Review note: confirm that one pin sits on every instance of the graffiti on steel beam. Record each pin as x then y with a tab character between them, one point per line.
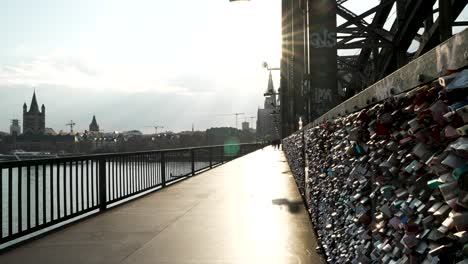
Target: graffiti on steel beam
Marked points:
324	39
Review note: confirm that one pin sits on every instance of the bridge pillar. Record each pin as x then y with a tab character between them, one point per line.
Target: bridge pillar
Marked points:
309	86
322	70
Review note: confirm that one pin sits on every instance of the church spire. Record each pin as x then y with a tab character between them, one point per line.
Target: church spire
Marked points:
270	95
34	107
94	127
271	88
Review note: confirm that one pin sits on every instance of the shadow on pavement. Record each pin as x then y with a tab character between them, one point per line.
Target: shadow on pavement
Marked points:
293	206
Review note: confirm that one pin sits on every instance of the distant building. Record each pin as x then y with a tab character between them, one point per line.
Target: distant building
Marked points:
41	143
94	127
268	117
245	126
50	132
132	133
15	128
33	120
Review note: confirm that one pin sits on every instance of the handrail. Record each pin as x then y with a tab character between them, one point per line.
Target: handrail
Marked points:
39	161
43	194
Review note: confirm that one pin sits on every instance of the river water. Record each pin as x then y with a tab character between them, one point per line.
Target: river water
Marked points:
81	192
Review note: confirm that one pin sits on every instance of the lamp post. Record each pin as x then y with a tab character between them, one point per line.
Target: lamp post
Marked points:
265	65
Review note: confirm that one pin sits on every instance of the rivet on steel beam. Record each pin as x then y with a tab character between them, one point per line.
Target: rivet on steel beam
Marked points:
421	78
392	91
368	101
374	99
346	111
466	55
355	107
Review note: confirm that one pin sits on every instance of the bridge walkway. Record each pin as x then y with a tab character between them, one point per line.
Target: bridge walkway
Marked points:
246	211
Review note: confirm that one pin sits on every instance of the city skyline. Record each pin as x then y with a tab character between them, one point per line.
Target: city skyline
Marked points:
126	54
84	122
170	66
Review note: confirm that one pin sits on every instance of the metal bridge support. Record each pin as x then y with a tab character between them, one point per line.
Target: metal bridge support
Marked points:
445	14
298	29
286	88
323	83
308	65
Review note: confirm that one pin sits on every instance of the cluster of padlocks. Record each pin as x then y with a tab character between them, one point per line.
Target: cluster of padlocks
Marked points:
389	184
293	147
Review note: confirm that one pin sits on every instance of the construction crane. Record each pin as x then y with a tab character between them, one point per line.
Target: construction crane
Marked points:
249	117
71	124
236	114
155	128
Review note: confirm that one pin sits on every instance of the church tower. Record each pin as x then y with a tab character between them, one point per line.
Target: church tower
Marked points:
268	118
270	99
94	127
33	120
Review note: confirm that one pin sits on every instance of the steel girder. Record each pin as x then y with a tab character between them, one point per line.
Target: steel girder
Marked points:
431	36
381	48
383	51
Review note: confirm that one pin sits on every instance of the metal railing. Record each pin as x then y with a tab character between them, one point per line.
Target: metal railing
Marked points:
37	195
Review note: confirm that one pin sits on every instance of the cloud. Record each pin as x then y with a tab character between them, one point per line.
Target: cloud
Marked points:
47	70
193	83
88	70
127	93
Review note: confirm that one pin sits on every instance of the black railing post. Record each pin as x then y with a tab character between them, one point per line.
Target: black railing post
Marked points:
211	157
163	170
222	154
1	205
192	158
10	202
102	184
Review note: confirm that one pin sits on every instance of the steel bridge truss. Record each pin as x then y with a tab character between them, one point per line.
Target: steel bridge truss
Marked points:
387	36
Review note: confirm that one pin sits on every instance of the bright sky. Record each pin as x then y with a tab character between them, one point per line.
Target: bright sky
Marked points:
141	62
172	63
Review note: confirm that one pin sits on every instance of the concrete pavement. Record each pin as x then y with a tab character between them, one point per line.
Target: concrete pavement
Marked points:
246	211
